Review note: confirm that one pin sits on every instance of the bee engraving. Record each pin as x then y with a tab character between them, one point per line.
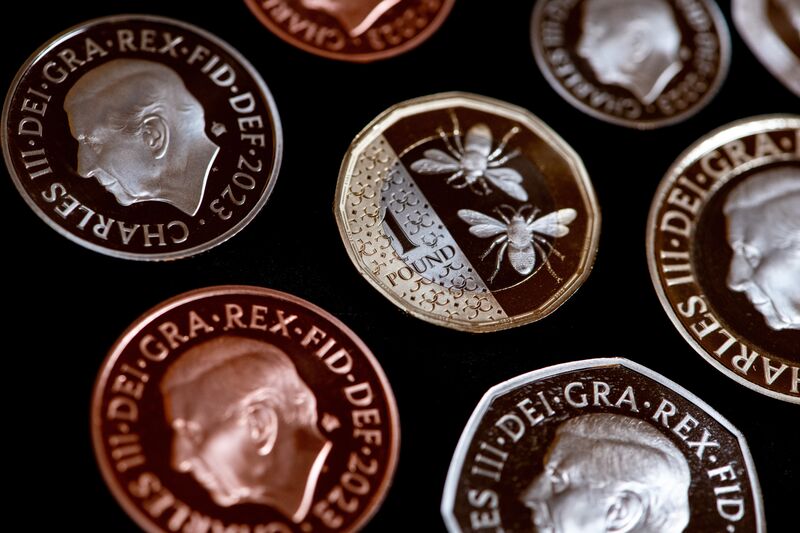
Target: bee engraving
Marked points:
519	235
472	163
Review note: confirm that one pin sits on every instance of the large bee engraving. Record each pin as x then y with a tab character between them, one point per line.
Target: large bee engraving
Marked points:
472	163
520	236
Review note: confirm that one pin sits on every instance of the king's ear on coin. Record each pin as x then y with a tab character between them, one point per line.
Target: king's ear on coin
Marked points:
355	16
141	134
245	424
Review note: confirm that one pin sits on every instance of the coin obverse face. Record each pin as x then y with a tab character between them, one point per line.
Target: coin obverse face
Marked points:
600	445
723	245
636	63
771	28
141	137
352	30
244	409
467	212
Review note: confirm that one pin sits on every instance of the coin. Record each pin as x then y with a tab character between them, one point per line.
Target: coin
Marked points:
244	409
467	212
141	137
637	63
600	445
723	246
771	28
352	30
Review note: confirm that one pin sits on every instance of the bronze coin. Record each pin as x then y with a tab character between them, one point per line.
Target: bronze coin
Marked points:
141	137
467	212
600	445
636	63
244	409
352	30
723	245
771	28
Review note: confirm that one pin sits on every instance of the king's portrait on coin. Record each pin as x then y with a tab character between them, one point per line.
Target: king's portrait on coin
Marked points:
609	472
141	134
763	229
245	424
355	16
634	44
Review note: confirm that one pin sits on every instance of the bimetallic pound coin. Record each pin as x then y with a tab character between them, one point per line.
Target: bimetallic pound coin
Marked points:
244	409
600	445
141	137
723	246
352	30
771	28
467	212
636	63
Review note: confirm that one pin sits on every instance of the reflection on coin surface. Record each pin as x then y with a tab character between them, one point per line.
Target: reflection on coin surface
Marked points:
467	212
637	63
723	245
244	409
771	28
352	30
141	137
600	445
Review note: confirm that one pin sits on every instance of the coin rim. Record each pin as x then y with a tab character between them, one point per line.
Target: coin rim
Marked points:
477	102
725	61
453	472
711	141
207	245
365	57
158	311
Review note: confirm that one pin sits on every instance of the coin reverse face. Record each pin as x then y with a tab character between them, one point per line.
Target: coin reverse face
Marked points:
141	137
600	445
244	409
636	63
467	212
352	30
771	28
723	245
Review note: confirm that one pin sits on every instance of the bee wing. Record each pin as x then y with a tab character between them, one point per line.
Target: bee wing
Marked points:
435	162
507	180
481	225
554	224
479	139
522	259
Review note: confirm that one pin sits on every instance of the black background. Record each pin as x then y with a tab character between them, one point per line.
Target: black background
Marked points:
68	305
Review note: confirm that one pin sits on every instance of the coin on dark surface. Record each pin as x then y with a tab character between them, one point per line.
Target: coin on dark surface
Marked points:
352	30
467	212
600	445
771	28
636	63
244	409
141	137
723	246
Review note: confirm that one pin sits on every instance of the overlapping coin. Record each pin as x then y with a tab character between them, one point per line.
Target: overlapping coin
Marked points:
244	409
352	30
771	28
141	137
723	245
600	445
636	63
467	212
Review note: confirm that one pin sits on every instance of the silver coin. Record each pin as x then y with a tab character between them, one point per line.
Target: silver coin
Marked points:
771	28
600	445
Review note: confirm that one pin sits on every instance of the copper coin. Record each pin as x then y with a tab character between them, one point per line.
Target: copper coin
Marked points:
636	63
467	212
352	30
141	137
723	246
771	28
244	409
600	445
